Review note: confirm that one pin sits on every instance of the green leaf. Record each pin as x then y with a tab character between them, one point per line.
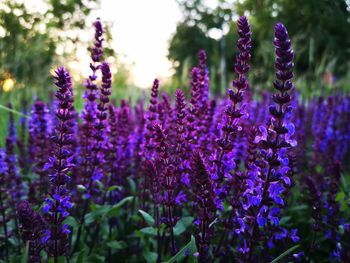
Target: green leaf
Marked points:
148	218
115	209
150	257
182	225
14	111
298	207
284	220
81	256
285	253
152	231
113	187
117	244
100	211
94	258
96	213
319	168
60	260
25	254
132	185
190	247
71	221
340	196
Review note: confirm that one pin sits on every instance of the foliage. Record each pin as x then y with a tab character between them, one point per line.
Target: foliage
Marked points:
43	30
309	23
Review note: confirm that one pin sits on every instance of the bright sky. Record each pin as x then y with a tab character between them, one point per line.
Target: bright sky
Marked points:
141	30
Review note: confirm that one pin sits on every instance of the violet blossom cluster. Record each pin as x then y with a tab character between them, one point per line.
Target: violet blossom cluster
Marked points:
89	114
40	131
133	182
57	205
268	178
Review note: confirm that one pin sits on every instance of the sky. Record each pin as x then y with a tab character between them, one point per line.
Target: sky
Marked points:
141	31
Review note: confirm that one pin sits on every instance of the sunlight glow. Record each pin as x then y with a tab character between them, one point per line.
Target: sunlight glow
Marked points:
141	31
8	85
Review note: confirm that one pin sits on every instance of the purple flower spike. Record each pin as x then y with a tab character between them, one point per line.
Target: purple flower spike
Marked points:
193	116
180	147
100	134
205	198
40	130
32	228
244	46
274	142
234	110
5	198
97	50
14	184
86	130
60	165
151	118
147	149
168	181
204	76
106	83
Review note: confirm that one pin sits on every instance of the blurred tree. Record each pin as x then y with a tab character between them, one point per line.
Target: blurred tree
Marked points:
202	28
185	45
320	31
29	39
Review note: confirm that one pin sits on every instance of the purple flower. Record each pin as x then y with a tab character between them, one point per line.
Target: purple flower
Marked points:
273	215
151	117
245	249
5	198
33	230
234	110
193	115
56	207
89	113
294	235
40	129
180	198
205	198
282	234
268	175
242	226
100	124
13	181
262	136
275	190
97	50
204	76
46	236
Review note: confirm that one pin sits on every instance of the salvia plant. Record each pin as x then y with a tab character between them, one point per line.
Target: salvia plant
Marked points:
244	178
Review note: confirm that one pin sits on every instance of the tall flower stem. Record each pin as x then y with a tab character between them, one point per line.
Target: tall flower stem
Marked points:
60	164
159	243
88	117
4	219
167	177
240	85
205	199
277	135
3	201
100	135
